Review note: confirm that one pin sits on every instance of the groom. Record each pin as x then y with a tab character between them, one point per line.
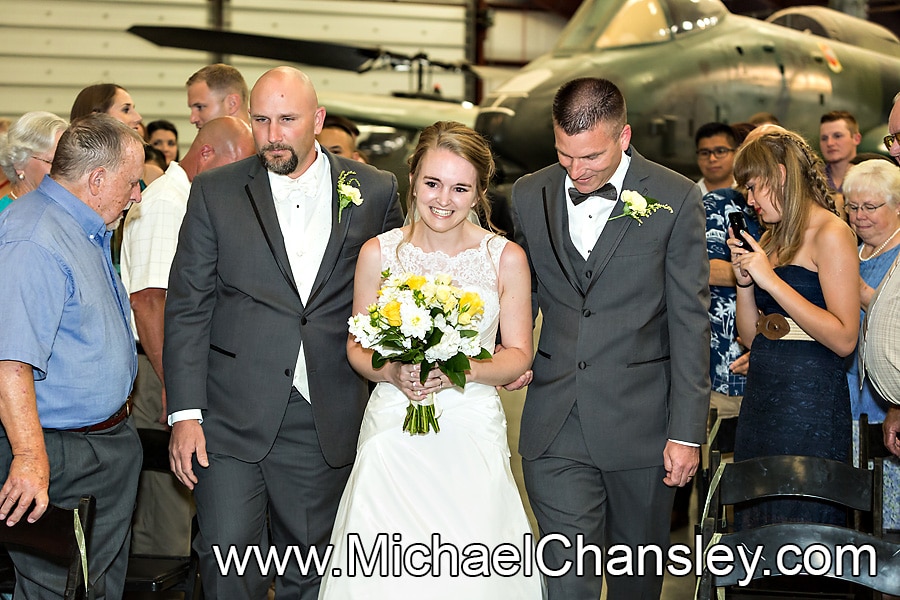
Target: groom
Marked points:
617	410
264	406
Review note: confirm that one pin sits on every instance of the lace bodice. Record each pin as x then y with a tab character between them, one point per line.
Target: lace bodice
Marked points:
474	269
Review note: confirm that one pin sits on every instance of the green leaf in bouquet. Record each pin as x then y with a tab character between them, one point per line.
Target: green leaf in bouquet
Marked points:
458	362
424	369
378	360
434	338
483	355
467	333
457	378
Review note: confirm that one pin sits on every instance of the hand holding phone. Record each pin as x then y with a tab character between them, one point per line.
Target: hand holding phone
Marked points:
739	227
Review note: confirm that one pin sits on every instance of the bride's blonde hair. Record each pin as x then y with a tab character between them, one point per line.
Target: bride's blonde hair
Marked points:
465	143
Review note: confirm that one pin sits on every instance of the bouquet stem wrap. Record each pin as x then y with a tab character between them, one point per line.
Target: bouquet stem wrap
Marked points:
421	417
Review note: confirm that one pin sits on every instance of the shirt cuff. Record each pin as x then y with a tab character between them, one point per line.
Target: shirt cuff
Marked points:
185	415
691	444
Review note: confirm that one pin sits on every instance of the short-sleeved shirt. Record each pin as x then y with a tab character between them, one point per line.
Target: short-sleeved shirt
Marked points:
724	348
151	232
65	311
881	346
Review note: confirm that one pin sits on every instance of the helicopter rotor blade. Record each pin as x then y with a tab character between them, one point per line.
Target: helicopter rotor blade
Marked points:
321	54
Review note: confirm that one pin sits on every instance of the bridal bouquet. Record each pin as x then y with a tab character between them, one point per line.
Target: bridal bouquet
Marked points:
427	321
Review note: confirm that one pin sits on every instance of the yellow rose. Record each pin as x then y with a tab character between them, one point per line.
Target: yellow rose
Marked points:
443	279
470	305
391	312
415	282
443	293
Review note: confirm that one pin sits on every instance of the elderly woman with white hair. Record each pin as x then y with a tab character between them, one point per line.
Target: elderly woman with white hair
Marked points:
27	150
872	201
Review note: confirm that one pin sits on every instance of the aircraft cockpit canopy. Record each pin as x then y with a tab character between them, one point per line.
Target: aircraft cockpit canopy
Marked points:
602	24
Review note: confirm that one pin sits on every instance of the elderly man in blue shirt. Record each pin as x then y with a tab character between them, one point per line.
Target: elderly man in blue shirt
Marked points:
67	356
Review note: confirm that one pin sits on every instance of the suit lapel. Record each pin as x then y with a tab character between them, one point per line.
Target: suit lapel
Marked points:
260	194
338	233
556	218
615	230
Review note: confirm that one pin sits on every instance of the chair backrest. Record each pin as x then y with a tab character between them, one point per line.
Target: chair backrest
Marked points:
57	536
800	476
871	441
807	476
828	550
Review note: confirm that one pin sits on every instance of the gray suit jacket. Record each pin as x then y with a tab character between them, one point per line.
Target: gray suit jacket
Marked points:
630	340
235	320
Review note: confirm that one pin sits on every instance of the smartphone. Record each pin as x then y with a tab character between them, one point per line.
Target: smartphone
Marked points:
739	227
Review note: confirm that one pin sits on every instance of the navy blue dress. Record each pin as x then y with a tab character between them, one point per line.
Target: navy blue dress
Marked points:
796	402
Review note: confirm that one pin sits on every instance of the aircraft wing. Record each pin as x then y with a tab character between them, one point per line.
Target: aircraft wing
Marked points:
409	113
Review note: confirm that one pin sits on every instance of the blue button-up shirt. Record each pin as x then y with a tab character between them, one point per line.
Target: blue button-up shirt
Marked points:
724	348
64	309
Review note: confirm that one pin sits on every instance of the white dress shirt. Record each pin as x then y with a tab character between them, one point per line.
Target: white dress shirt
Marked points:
587	220
303	207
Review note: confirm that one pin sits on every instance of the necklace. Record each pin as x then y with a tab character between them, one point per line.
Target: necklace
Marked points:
879	248
13	196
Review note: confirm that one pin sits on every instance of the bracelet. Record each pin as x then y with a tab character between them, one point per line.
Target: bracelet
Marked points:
745	285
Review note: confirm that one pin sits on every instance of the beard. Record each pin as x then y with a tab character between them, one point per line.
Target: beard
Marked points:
279	166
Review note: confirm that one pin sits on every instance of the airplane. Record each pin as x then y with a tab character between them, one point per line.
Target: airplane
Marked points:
679	64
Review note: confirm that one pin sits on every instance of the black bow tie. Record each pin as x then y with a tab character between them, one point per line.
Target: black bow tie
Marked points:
608	191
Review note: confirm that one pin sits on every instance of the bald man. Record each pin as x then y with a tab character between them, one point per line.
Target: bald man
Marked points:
162	517
264	406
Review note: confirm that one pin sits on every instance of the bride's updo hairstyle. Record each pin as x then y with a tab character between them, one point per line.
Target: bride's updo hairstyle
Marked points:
465	143
761	158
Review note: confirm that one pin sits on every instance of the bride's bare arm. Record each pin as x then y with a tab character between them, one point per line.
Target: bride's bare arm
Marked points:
515	322
366	282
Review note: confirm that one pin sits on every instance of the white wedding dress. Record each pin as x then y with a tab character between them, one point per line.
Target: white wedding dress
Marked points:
452	492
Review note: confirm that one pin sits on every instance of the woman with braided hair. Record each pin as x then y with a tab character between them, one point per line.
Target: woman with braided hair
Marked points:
798	308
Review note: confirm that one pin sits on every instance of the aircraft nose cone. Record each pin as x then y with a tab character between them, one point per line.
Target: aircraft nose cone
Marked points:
521	136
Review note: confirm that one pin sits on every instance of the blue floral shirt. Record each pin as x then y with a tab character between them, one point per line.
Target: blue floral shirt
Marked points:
724	348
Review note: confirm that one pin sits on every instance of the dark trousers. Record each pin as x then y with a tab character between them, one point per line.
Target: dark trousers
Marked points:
106	465
571	496
293	486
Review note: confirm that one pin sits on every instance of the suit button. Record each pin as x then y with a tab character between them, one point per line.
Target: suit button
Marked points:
586	312
303	320
287	372
589	274
582	365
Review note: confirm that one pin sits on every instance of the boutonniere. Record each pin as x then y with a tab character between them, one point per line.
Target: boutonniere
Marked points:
637	207
348	192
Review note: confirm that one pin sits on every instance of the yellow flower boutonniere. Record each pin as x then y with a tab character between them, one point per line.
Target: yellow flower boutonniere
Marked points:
637	207
348	191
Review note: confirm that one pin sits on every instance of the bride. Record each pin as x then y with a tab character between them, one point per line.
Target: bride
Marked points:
439	515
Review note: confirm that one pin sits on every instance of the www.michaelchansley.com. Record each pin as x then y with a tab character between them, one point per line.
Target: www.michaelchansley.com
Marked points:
388	555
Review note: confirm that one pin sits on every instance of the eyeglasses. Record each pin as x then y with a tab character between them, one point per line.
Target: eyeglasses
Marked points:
719	152
43	160
866	208
889	140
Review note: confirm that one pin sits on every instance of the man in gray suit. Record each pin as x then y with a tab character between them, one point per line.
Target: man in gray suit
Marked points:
264	405
617	409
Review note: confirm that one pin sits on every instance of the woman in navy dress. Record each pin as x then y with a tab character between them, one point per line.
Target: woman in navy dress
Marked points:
798	306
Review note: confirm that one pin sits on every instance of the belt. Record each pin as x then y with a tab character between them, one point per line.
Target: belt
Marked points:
116	418
779	327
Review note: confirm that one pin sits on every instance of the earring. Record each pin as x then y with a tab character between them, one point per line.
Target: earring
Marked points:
21	176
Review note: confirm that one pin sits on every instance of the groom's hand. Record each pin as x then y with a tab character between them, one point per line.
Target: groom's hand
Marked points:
681	462
187	440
